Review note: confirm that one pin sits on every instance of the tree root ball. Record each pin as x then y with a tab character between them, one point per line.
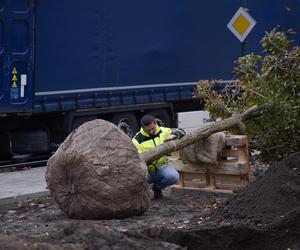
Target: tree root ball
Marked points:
97	173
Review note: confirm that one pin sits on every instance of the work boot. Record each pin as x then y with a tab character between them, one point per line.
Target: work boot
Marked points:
157	192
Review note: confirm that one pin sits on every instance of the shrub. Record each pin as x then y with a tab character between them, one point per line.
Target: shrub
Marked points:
271	80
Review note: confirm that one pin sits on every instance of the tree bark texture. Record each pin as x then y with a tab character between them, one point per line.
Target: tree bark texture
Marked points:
96	173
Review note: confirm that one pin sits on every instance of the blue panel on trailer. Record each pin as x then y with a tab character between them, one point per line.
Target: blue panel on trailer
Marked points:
104	53
270	14
2	86
112	44
16	57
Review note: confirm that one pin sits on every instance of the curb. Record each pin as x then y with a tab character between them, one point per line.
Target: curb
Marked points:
14	199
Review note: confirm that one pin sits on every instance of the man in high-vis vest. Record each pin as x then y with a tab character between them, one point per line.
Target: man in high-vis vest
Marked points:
151	135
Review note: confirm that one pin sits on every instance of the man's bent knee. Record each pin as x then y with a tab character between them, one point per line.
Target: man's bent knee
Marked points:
172	178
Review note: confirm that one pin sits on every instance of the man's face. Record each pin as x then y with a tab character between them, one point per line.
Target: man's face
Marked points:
150	129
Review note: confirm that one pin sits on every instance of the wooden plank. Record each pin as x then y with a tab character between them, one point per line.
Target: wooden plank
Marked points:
227	167
217	181
212	190
210	181
236	140
229	187
194	184
224	167
241	152
189	168
180	181
231	182
194	180
229	152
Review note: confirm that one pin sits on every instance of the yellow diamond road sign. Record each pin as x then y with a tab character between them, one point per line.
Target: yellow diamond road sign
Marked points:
241	24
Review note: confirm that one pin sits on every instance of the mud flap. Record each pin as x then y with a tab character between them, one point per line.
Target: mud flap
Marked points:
5	145
30	142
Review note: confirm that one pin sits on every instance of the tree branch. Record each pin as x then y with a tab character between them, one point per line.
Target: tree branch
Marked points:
199	134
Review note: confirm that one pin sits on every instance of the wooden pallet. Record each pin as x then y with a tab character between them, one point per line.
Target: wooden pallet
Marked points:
231	172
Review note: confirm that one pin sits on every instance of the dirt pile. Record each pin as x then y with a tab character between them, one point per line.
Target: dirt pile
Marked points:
265	215
40	224
271	198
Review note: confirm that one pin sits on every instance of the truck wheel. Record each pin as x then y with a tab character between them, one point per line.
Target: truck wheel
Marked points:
78	121
162	116
126	122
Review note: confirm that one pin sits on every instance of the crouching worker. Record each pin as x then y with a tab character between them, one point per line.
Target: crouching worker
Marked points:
151	135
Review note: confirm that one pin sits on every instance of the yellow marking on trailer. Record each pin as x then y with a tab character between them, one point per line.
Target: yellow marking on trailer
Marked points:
14	78
14	71
14	85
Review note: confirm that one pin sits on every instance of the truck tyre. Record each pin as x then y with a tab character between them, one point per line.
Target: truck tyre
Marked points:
78	121
127	123
162	116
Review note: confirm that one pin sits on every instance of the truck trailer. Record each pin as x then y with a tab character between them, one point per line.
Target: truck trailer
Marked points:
63	63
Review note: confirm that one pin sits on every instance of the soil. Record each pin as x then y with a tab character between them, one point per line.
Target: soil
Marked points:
264	215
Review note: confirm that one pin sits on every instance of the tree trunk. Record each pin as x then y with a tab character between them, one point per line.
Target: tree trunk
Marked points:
199	134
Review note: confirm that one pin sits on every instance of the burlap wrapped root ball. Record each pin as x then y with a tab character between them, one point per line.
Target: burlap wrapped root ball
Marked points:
97	174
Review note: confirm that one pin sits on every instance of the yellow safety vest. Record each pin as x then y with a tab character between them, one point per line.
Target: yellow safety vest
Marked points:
145	142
